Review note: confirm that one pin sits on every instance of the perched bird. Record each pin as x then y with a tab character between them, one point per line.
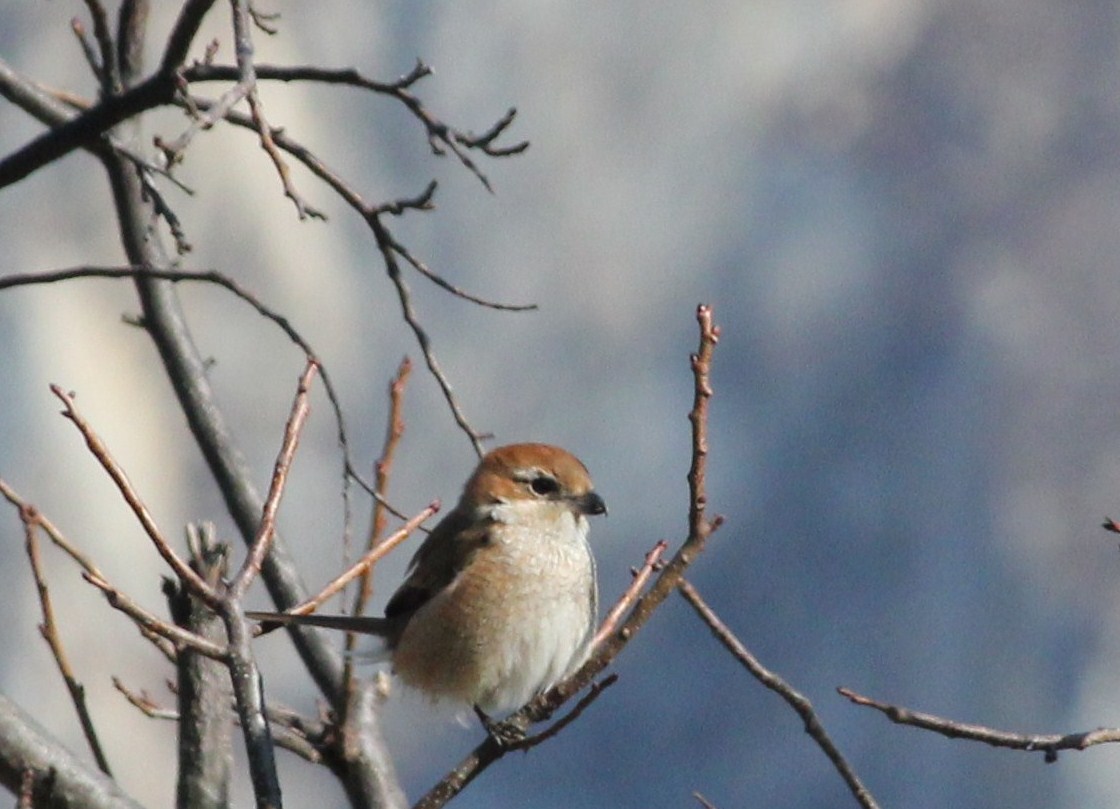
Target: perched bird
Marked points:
500	601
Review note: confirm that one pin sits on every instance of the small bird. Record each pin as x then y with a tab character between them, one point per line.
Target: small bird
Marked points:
500	601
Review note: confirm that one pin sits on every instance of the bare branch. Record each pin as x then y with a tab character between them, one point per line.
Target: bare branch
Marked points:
796	700
218	279
394	431
132	498
592	694
29	756
108	75
92	59
260	545
370	558
440	281
641	576
144	703
49	630
145	620
52	532
1050	744
148	624
385	245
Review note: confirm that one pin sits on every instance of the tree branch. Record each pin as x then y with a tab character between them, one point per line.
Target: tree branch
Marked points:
62	780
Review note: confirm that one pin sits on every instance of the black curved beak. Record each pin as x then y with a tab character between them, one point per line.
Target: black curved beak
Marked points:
591	503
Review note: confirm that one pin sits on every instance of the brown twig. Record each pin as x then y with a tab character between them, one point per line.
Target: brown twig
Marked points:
228	284
144	703
132	498
148	624
700	528
53	533
370	558
382	473
592	694
263	540
145	620
1049	743
796	700
49	630
641	576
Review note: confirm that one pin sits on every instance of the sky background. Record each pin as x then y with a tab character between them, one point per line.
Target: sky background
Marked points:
905	218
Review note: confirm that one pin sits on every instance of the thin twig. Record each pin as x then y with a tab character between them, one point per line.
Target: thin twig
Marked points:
440	135
145	620
394	430
258	549
109	74
132	498
242	33
796	700
592	694
384	244
144	703
92	59
53	533
218	279
49	630
1048	743
440	281
148	624
370	558
641	576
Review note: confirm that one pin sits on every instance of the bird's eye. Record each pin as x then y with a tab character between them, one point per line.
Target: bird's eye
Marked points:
543	484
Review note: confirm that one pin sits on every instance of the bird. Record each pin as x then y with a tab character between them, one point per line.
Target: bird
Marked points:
501	599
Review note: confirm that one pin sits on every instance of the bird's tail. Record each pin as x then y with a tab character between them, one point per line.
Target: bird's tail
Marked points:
362	624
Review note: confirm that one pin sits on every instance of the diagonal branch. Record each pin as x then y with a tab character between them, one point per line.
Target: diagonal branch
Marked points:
49	630
796	699
184	571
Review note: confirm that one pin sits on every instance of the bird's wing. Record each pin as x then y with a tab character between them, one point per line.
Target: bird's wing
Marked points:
446	552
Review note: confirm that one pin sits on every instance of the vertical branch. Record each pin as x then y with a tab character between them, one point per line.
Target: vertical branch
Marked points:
382	471
49	630
205	744
698	416
249	698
